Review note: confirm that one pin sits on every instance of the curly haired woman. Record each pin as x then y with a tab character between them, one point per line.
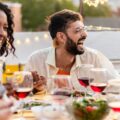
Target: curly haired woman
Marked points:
6	47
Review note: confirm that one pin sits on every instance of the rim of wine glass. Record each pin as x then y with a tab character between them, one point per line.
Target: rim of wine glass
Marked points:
114	103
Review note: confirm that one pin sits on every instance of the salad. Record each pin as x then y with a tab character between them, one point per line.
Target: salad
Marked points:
89	109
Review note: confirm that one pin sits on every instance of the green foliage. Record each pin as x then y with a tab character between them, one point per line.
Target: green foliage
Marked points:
34	12
102	10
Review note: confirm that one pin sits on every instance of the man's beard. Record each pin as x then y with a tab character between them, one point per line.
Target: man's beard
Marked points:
72	48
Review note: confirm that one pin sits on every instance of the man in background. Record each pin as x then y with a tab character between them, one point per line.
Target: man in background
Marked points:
68	54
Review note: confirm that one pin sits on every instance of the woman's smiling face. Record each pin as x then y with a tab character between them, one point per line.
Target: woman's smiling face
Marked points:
3	27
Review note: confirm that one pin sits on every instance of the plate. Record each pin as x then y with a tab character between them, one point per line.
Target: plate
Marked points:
32	103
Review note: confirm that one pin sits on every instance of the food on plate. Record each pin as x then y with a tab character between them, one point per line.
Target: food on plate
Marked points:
30	104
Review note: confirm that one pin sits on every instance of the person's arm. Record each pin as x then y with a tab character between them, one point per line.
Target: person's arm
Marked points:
5	112
38	79
29	65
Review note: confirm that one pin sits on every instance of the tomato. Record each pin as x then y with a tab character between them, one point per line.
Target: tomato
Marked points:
89	108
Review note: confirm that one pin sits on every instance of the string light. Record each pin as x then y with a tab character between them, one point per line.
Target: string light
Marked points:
102	1
36	38
1	64
27	40
18	42
46	36
94	2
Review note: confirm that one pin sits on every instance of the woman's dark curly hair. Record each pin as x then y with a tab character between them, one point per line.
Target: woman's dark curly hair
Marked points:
5	49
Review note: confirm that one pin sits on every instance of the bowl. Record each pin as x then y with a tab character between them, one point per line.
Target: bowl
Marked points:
88	109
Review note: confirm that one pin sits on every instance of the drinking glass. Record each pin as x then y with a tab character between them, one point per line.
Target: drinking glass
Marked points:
23	85
61	88
83	76
99	80
114	98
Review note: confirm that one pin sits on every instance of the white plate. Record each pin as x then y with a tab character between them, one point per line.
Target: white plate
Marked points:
48	112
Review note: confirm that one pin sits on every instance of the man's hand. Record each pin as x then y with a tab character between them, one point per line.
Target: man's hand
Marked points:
39	82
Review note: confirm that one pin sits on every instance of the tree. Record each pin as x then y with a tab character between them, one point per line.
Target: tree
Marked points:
34	12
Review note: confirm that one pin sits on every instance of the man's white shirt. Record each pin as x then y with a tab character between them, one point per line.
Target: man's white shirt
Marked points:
43	61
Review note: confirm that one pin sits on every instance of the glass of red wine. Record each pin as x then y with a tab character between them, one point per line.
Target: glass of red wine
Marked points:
114	97
83	76
23	85
99	80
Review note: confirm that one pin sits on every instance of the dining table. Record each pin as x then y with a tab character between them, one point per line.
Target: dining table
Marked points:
28	115
44	96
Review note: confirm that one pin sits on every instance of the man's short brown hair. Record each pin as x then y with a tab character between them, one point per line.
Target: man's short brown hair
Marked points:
59	21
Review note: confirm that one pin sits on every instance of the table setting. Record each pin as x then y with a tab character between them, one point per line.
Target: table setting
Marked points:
63	102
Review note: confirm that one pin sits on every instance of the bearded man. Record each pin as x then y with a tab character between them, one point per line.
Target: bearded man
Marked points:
68	54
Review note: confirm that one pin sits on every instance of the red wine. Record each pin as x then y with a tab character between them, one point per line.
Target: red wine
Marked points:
23	92
84	81
98	87
115	106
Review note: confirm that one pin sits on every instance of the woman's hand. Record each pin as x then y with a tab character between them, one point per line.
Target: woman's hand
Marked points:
5	111
10	90
39	82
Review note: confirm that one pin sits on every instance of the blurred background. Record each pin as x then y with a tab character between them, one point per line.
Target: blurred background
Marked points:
102	18
30	15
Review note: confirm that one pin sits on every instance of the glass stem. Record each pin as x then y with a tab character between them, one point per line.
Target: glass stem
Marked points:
85	91
97	96
21	111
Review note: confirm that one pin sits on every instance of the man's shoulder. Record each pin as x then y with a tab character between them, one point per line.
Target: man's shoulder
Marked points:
42	51
91	51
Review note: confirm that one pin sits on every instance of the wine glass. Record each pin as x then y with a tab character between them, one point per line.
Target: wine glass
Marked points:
23	85
99	80
114	97
61	88
83	75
